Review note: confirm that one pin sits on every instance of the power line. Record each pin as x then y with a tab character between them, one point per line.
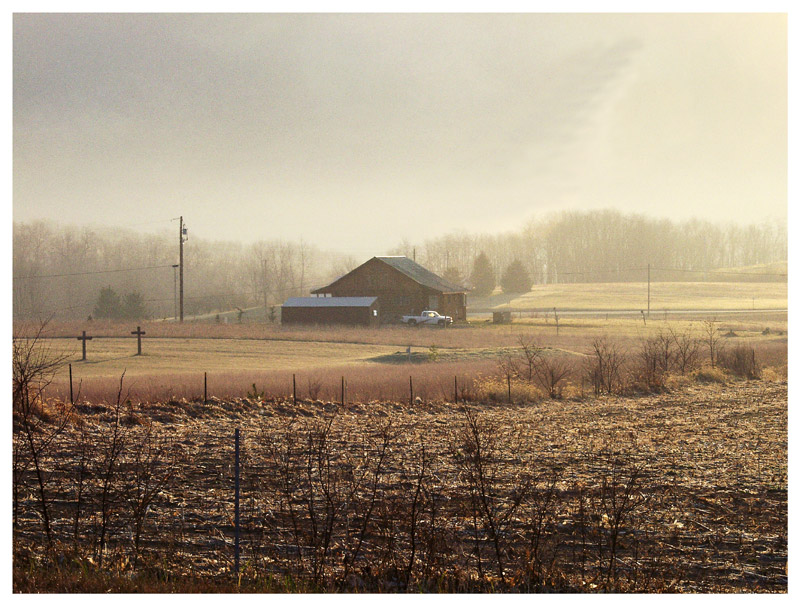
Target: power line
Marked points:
722	271
86	273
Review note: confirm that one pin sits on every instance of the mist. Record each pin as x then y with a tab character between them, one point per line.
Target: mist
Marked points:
354	132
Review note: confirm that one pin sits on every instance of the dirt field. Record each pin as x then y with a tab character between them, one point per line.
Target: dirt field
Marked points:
679	492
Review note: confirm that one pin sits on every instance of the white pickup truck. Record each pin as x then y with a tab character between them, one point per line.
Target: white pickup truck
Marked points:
427	317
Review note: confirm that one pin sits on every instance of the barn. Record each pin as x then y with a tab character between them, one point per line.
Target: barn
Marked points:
362	311
402	287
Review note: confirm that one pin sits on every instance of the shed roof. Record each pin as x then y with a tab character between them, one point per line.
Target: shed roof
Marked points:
329	301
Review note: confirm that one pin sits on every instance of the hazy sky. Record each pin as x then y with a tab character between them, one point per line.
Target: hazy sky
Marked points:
355	131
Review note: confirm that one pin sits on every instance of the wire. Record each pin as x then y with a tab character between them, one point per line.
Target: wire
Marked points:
721	271
86	273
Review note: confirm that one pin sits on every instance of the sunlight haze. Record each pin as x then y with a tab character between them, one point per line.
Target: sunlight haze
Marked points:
353	131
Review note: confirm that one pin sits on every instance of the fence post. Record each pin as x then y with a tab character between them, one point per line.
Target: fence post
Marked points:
294	390
205	388
342	390
236	505
411	391
71	398
455	389
508	379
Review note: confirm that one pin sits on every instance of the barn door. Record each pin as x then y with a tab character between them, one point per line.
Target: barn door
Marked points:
433	302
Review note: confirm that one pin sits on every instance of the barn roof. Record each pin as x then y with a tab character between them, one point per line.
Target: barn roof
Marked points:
329	301
419	274
413	270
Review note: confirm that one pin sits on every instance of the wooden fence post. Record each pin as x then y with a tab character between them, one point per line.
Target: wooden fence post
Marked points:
455	389
205	388
508	379
294	390
411	391
342	390
71	398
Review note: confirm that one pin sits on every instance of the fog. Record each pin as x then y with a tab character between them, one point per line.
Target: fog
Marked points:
354	132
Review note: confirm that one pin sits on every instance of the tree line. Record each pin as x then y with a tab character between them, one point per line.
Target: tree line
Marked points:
73	272
60	271
606	246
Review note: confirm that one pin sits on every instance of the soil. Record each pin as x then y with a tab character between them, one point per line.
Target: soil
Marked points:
681	492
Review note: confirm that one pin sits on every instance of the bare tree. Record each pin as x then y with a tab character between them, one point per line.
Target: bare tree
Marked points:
38	422
711	339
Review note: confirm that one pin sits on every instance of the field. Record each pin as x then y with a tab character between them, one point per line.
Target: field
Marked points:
680	492
494	458
672	296
176	358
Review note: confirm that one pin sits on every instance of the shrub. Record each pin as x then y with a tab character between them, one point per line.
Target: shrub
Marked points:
605	364
775	374
707	374
740	361
495	389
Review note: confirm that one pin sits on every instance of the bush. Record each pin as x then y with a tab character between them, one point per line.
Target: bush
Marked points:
495	389
707	374
740	361
775	374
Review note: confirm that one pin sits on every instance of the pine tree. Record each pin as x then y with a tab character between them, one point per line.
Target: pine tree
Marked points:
109	305
133	308
515	278
483	279
452	275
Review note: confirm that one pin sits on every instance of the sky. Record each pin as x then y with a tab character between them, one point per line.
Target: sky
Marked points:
356	131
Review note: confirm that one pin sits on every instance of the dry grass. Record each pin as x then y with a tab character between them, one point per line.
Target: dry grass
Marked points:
673	296
173	368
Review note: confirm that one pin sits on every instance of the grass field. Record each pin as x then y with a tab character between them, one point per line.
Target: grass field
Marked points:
673	296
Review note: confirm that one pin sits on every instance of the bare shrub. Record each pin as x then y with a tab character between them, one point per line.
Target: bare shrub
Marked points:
740	361
110	451
542	508
151	468
552	373
687	351
604	369
610	509
650	372
711	339
39	424
531	355
480	456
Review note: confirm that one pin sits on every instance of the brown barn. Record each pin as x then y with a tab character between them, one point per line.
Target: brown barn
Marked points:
402	286
331	310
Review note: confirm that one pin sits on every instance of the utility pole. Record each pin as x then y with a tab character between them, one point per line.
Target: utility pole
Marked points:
175	292
181	239
264	286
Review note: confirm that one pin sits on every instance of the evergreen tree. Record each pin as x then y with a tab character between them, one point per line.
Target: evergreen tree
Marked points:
109	305
452	275
133	307
483	280
515	278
